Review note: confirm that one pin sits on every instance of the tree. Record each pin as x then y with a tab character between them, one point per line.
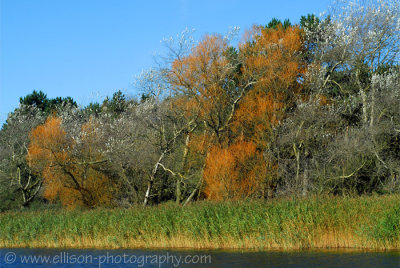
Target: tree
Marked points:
239	95
117	104
236	172
38	99
358	39
273	56
206	91
69	166
274	23
312	34
44	104
19	180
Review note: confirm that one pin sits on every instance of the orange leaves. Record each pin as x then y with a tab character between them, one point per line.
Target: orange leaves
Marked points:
236	172
202	67
200	76
68	170
183	105
240	95
47	149
258	112
48	141
273	56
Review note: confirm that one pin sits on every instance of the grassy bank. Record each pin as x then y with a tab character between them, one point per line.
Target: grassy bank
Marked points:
363	222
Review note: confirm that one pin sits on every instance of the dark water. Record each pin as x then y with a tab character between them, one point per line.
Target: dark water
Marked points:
11	258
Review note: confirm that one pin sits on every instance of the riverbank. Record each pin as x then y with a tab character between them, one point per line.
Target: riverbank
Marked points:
368	222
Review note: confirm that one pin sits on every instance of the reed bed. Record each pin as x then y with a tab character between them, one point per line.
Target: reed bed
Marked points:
367	222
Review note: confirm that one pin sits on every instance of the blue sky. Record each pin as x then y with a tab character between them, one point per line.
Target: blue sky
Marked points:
88	49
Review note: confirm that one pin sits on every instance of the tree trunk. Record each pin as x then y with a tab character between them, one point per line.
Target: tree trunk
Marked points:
197	189
363	99
364	104
371	122
151	180
179	179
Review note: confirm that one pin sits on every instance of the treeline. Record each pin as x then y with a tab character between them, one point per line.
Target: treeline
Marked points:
303	109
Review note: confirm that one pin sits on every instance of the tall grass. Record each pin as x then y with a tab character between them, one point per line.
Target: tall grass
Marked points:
321	222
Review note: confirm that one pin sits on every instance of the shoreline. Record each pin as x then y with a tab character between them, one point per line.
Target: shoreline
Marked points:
226	249
321	223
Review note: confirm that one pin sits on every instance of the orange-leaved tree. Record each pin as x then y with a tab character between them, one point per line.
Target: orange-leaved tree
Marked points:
201	87
240	95
70	169
236	172
207	84
273	56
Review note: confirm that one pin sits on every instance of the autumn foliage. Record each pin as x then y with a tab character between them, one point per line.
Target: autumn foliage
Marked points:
69	169
300	109
236	172
239	95
228	101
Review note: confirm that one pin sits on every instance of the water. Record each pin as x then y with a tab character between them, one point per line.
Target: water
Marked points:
11	258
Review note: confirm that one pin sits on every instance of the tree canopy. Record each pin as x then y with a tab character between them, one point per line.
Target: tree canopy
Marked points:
292	109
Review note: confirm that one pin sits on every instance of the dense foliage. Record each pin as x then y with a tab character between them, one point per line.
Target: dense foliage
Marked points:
291	110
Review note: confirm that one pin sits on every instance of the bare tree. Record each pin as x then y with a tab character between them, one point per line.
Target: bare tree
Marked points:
360	37
14	168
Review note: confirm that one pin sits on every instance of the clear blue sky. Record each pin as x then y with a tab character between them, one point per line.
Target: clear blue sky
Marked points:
88	49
